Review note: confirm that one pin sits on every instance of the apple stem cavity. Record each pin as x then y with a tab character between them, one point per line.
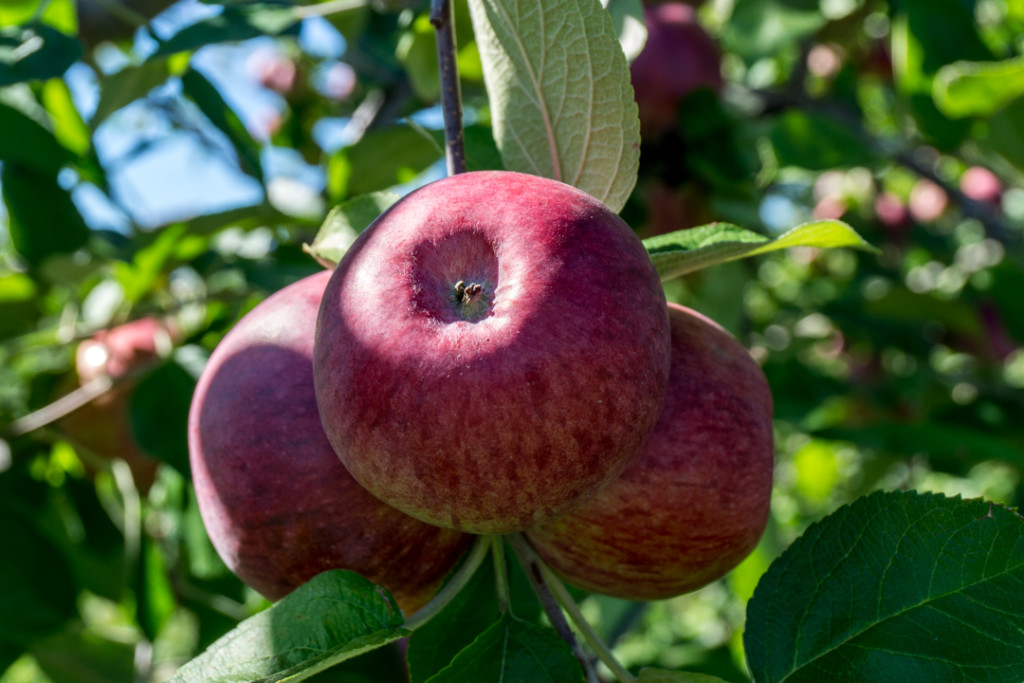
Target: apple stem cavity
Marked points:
471	301
532	564
474	558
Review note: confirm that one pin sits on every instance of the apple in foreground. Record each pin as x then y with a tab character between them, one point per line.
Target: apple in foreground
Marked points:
695	501
491	351
278	504
103	426
678	58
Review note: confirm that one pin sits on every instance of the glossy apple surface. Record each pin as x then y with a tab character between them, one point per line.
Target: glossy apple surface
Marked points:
278	504
695	501
491	351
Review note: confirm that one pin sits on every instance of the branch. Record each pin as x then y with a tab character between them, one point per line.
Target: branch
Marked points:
527	557
451	97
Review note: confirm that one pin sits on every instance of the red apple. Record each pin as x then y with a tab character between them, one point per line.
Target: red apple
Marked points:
695	501
103	427
927	201
278	504
491	351
891	211
678	58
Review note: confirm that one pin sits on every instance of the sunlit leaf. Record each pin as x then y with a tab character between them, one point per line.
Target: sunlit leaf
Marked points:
344	223
896	586
978	88
685	251
336	616
561	99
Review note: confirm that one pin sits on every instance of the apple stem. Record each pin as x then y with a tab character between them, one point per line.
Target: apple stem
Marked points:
501	574
531	562
474	558
599	647
451	95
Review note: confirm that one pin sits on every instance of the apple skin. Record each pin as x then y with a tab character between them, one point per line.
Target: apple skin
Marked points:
103	426
510	407
678	58
695	500
277	503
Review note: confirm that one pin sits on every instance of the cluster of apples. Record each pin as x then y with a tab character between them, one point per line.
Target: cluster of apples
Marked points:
493	355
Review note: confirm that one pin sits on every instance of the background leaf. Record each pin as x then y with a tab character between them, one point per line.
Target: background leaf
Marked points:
333	617
978	88
43	219
578	126
35	52
685	251
513	650
661	676
344	223
896	586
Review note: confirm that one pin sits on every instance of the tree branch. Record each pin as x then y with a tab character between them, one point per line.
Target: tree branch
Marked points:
451	96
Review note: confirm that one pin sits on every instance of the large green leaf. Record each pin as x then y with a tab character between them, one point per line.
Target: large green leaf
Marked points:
27	139
43	219
335	616
684	251
513	650
978	88
561	98
236	22
897	586
35	52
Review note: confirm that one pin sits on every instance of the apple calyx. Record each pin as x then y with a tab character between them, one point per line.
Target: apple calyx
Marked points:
472	302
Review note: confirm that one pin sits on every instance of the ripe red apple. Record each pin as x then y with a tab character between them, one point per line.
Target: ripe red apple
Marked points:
491	351
678	58
103	427
278	504
695	501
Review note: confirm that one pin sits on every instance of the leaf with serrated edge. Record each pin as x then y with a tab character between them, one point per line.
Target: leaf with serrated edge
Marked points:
662	676
561	98
684	251
333	617
896	586
344	223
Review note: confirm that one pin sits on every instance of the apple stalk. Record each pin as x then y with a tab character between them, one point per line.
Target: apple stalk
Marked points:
451	95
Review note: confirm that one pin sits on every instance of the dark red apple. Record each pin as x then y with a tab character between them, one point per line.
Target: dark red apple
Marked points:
491	351
695	501
103	427
678	58
278	504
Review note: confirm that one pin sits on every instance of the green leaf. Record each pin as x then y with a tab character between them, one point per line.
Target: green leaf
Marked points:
35	52
344	223
69	129
816	142
896	586
83	656
661	676
235	23
560	93
381	159
26	138
159	414
433	646
127	85
684	251
154	595
335	616
513	650
42	218
210	102
978	88
767	27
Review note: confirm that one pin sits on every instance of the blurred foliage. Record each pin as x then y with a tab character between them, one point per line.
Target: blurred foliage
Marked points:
893	371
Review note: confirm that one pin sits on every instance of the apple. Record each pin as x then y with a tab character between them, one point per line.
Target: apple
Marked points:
277	503
927	201
491	351
695	500
103	426
981	184
678	58
891	211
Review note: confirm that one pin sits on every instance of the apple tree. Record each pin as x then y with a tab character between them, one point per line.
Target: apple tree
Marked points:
772	257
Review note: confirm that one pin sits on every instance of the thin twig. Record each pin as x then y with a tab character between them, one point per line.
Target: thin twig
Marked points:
501	574
62	406
451	95
527	557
